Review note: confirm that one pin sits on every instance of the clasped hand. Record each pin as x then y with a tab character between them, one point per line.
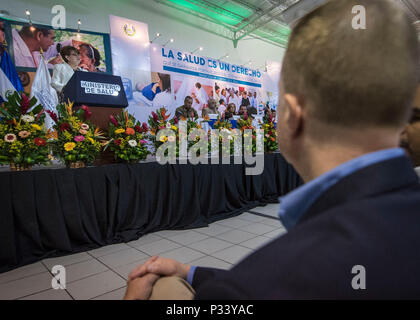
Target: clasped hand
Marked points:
142	279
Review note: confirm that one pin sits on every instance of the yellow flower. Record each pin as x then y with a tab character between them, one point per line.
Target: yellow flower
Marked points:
163	139
36	127
91	140
118	131
174	128
69	146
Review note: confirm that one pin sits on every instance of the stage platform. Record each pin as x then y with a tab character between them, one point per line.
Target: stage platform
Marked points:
57	211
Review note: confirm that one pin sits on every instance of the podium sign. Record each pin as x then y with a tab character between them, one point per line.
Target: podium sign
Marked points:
96	89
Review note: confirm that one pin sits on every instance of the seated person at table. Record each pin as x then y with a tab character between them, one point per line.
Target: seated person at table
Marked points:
242	110
186	111
210	109
222	107
230	111
353	227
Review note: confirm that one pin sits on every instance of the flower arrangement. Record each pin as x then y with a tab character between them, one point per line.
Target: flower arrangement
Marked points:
23	135
128	138
270	134
225	127
75	140
159	120
245	123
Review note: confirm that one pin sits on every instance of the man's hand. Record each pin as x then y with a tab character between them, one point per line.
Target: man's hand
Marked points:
56	60
140	288
161	266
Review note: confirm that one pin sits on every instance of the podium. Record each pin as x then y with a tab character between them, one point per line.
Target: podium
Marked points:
104	94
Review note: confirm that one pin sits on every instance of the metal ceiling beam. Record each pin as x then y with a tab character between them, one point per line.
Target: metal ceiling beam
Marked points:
257	16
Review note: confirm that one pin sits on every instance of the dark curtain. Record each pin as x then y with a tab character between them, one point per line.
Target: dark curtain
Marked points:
47	213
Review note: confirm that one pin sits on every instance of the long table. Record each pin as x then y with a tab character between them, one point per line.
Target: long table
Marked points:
46	213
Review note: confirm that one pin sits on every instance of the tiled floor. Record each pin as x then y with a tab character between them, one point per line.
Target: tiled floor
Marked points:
101	274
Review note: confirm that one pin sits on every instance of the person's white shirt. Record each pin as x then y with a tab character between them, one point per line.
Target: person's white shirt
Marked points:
164	99
221	109
61	75
24	57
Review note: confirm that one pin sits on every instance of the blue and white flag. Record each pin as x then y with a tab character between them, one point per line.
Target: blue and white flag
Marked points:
43	92
9	79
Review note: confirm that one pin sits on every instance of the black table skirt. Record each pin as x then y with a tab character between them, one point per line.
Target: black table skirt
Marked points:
48	213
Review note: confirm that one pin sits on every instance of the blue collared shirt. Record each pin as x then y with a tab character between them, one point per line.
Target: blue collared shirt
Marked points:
294	205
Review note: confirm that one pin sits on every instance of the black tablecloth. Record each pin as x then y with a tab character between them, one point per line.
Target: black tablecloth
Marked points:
47	213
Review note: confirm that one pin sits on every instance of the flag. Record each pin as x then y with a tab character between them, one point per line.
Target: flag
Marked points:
5	85
9	79
43	92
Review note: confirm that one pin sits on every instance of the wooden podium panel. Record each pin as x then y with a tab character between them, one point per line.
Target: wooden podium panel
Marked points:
100	118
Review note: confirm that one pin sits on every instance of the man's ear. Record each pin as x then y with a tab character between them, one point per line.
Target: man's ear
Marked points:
294	114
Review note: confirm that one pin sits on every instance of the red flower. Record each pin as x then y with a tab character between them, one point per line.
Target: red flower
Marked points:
138	129
87	115
145	127
130	131
64	127
85	108
113	120
163	112
155	116
53	116
24	103
175	120
40	114
117	142
40	142
245	116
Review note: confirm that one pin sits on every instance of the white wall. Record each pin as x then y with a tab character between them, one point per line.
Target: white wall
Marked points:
169	22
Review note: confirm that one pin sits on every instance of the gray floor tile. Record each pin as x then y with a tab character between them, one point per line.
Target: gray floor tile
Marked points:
183	255
23	272
95	286
66	260
123	257
256	242
84	269
49	295
257	228
103	251
125	270
250	217
148	238
232	254
234	222
276	233
272	223
271	209
236	236
210	245
26	286
169	233
188	237
211	262
113	295
213	229
158	247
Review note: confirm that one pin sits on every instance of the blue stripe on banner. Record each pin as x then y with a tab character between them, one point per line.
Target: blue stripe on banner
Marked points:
209	76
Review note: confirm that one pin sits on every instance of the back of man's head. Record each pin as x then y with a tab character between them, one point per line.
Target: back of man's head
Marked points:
354	78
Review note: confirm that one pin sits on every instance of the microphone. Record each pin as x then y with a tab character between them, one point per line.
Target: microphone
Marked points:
58	47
